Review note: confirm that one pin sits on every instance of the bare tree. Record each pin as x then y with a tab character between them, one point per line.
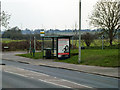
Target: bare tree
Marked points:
4	19
106	16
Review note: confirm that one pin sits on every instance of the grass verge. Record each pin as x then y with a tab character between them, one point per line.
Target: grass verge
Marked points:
105	58
94	57
38	55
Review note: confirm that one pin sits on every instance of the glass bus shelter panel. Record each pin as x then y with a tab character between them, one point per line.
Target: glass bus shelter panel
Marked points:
47	43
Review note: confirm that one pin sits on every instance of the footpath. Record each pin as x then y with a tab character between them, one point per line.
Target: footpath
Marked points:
103	71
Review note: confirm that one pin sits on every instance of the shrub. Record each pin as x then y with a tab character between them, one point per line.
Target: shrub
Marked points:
88	38
23	45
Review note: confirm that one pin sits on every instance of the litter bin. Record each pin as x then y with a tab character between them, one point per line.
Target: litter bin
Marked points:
48	53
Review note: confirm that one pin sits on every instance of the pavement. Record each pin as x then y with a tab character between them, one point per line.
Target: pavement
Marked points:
103	71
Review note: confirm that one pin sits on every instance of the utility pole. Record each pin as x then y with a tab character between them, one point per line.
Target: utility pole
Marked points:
34	44
79	58
30	42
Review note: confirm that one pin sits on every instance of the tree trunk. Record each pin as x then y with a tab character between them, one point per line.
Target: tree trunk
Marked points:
111	42
111	36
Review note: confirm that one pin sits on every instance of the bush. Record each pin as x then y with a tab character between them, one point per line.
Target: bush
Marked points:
23	45
88	38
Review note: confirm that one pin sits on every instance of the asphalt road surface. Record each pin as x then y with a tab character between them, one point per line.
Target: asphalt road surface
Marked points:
15	81
88	80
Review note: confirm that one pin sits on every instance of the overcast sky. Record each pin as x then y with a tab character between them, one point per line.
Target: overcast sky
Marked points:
48	14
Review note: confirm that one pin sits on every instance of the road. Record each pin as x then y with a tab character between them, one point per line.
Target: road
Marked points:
14	81
80	79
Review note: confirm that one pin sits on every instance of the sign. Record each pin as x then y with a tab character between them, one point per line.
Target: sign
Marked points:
63	48
42	33
6	47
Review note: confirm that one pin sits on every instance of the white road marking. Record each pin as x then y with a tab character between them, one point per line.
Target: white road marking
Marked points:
31	77
19	68
77	83
54	83
53	80
15	73
39	73
47	80
34	72
39	79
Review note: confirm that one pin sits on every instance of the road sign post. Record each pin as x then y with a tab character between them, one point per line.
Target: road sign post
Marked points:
34	47
42	34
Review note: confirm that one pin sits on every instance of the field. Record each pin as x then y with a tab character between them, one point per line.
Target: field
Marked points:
96	43
8	41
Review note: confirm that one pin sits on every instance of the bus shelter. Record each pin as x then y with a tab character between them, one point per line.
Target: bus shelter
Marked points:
60	47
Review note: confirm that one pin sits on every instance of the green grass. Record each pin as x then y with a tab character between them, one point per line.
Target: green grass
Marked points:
106	58
38	55
8	41
96	43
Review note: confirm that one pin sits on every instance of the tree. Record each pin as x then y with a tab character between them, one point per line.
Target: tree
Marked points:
13	33
4	19
106	16
88	38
